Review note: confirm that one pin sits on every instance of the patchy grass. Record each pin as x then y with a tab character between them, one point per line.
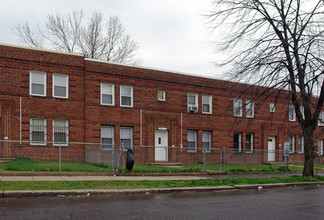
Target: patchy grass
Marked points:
25	164
56	185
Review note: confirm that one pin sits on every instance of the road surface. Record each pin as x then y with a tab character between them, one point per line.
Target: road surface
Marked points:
283	203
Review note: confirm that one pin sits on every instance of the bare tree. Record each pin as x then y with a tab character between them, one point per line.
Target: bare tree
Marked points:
278	44
96	39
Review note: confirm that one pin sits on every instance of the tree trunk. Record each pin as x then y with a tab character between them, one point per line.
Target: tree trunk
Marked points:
309	154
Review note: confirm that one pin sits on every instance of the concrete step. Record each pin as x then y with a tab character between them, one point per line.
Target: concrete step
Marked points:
162	164
6	159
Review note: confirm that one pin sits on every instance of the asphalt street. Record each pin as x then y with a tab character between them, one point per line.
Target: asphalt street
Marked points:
284	203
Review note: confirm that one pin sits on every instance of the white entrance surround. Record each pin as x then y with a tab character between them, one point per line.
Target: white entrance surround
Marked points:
271	149
161	141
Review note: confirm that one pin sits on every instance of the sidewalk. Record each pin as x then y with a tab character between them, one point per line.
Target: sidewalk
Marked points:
96	178
69	176
8	177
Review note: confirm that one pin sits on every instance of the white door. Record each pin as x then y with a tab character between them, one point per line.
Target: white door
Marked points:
161	141
271	149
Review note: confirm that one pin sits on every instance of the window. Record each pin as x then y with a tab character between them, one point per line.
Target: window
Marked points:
60	132
107	137
126	96
302	112
206	140
38	131
60	85
192	102
272	107
249	143
301	144
291	144
237	142
126	137
107	94
321	119
161	95
207	104
249	108
292	113
37	83
320	147
192	141
237	107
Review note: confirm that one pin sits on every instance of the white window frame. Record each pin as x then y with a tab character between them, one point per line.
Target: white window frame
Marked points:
31	83
239	142
112	95
131	96
161	95
237	103
66	85
208	150
249	105
291	113
196	99
321	118
103	136
251	142
31	132
272	107
301	142
195	141
209	103
320	147
131	135
292	144
66	133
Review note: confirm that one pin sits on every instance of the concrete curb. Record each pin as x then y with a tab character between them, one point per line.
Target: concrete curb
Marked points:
88	192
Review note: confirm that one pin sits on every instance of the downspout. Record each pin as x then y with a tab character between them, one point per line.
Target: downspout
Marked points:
141	127
20	123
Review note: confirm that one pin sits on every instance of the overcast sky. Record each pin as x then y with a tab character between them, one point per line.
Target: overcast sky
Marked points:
171	33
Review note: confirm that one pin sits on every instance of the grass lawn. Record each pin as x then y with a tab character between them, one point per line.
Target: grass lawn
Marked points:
55	185
23	164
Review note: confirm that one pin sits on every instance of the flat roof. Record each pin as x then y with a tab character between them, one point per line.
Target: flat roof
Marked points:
43	50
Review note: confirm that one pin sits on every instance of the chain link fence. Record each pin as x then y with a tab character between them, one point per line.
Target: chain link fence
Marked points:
94	157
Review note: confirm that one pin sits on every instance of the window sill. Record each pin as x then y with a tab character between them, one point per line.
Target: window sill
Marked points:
62	145
107	104
60	97
37	144
37	95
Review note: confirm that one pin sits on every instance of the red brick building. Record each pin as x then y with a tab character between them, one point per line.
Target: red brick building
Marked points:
49	98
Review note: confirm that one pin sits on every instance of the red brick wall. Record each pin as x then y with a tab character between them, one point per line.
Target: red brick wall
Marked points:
85	114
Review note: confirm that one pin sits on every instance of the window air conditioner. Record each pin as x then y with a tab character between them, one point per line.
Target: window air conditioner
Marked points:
192	109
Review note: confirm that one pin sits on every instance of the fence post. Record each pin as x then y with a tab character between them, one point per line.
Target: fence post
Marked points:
204	158
220	160
122	156
224	160
113	159
60	157
255	160
166	157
